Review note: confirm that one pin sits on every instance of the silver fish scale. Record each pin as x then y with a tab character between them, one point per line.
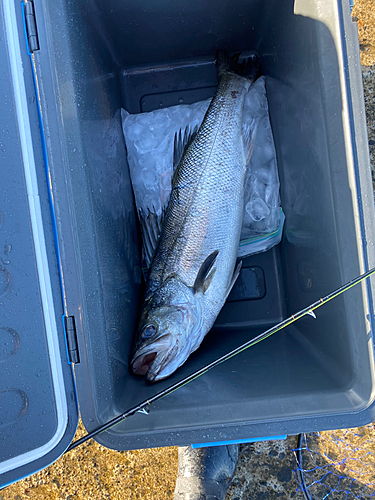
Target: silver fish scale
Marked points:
206	205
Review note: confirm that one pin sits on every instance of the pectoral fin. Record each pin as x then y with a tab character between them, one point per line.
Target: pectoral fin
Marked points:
205	273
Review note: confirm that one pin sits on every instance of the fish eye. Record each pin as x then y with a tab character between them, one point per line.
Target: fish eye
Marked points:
148	331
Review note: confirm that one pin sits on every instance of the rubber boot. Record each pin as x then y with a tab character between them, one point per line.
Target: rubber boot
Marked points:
205	473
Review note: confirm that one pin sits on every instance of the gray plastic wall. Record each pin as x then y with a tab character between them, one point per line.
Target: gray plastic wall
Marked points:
97	57
38	408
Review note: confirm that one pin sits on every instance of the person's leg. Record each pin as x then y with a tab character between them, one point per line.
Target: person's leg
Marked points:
205	473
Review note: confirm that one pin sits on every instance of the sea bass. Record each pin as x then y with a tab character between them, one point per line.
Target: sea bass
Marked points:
193	267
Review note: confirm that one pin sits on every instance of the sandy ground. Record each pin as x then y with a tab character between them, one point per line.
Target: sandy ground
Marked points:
265	470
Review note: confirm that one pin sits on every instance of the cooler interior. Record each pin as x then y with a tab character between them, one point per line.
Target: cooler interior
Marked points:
146	55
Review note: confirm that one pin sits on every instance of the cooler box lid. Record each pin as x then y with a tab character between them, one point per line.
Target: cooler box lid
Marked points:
38	409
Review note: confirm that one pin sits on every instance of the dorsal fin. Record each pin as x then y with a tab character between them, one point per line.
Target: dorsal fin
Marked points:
205	273
182	140
151	222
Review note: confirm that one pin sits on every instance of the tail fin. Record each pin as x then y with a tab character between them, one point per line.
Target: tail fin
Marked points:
249	67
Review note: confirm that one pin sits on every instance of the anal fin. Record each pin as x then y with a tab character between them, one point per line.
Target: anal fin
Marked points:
234	279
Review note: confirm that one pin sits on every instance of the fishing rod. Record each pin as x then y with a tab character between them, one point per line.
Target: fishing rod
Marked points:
144	406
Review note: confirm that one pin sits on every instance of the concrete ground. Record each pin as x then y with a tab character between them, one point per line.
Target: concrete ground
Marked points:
265	470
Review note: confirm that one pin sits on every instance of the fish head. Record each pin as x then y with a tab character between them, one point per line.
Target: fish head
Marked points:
170	329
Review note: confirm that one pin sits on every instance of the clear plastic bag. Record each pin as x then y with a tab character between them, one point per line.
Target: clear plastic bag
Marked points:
149	141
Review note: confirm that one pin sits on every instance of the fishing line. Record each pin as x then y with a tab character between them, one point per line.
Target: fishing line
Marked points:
144	406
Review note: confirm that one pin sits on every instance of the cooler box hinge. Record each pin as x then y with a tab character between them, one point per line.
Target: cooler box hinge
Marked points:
32	32
71	339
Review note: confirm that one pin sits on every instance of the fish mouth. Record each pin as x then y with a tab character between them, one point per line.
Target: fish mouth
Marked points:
152	360
141	364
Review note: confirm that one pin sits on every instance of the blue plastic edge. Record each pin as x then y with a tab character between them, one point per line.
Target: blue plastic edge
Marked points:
46	167
45	157
5	485
238	441
53	216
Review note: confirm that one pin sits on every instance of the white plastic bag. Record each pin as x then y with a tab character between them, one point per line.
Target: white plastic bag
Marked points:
149	141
